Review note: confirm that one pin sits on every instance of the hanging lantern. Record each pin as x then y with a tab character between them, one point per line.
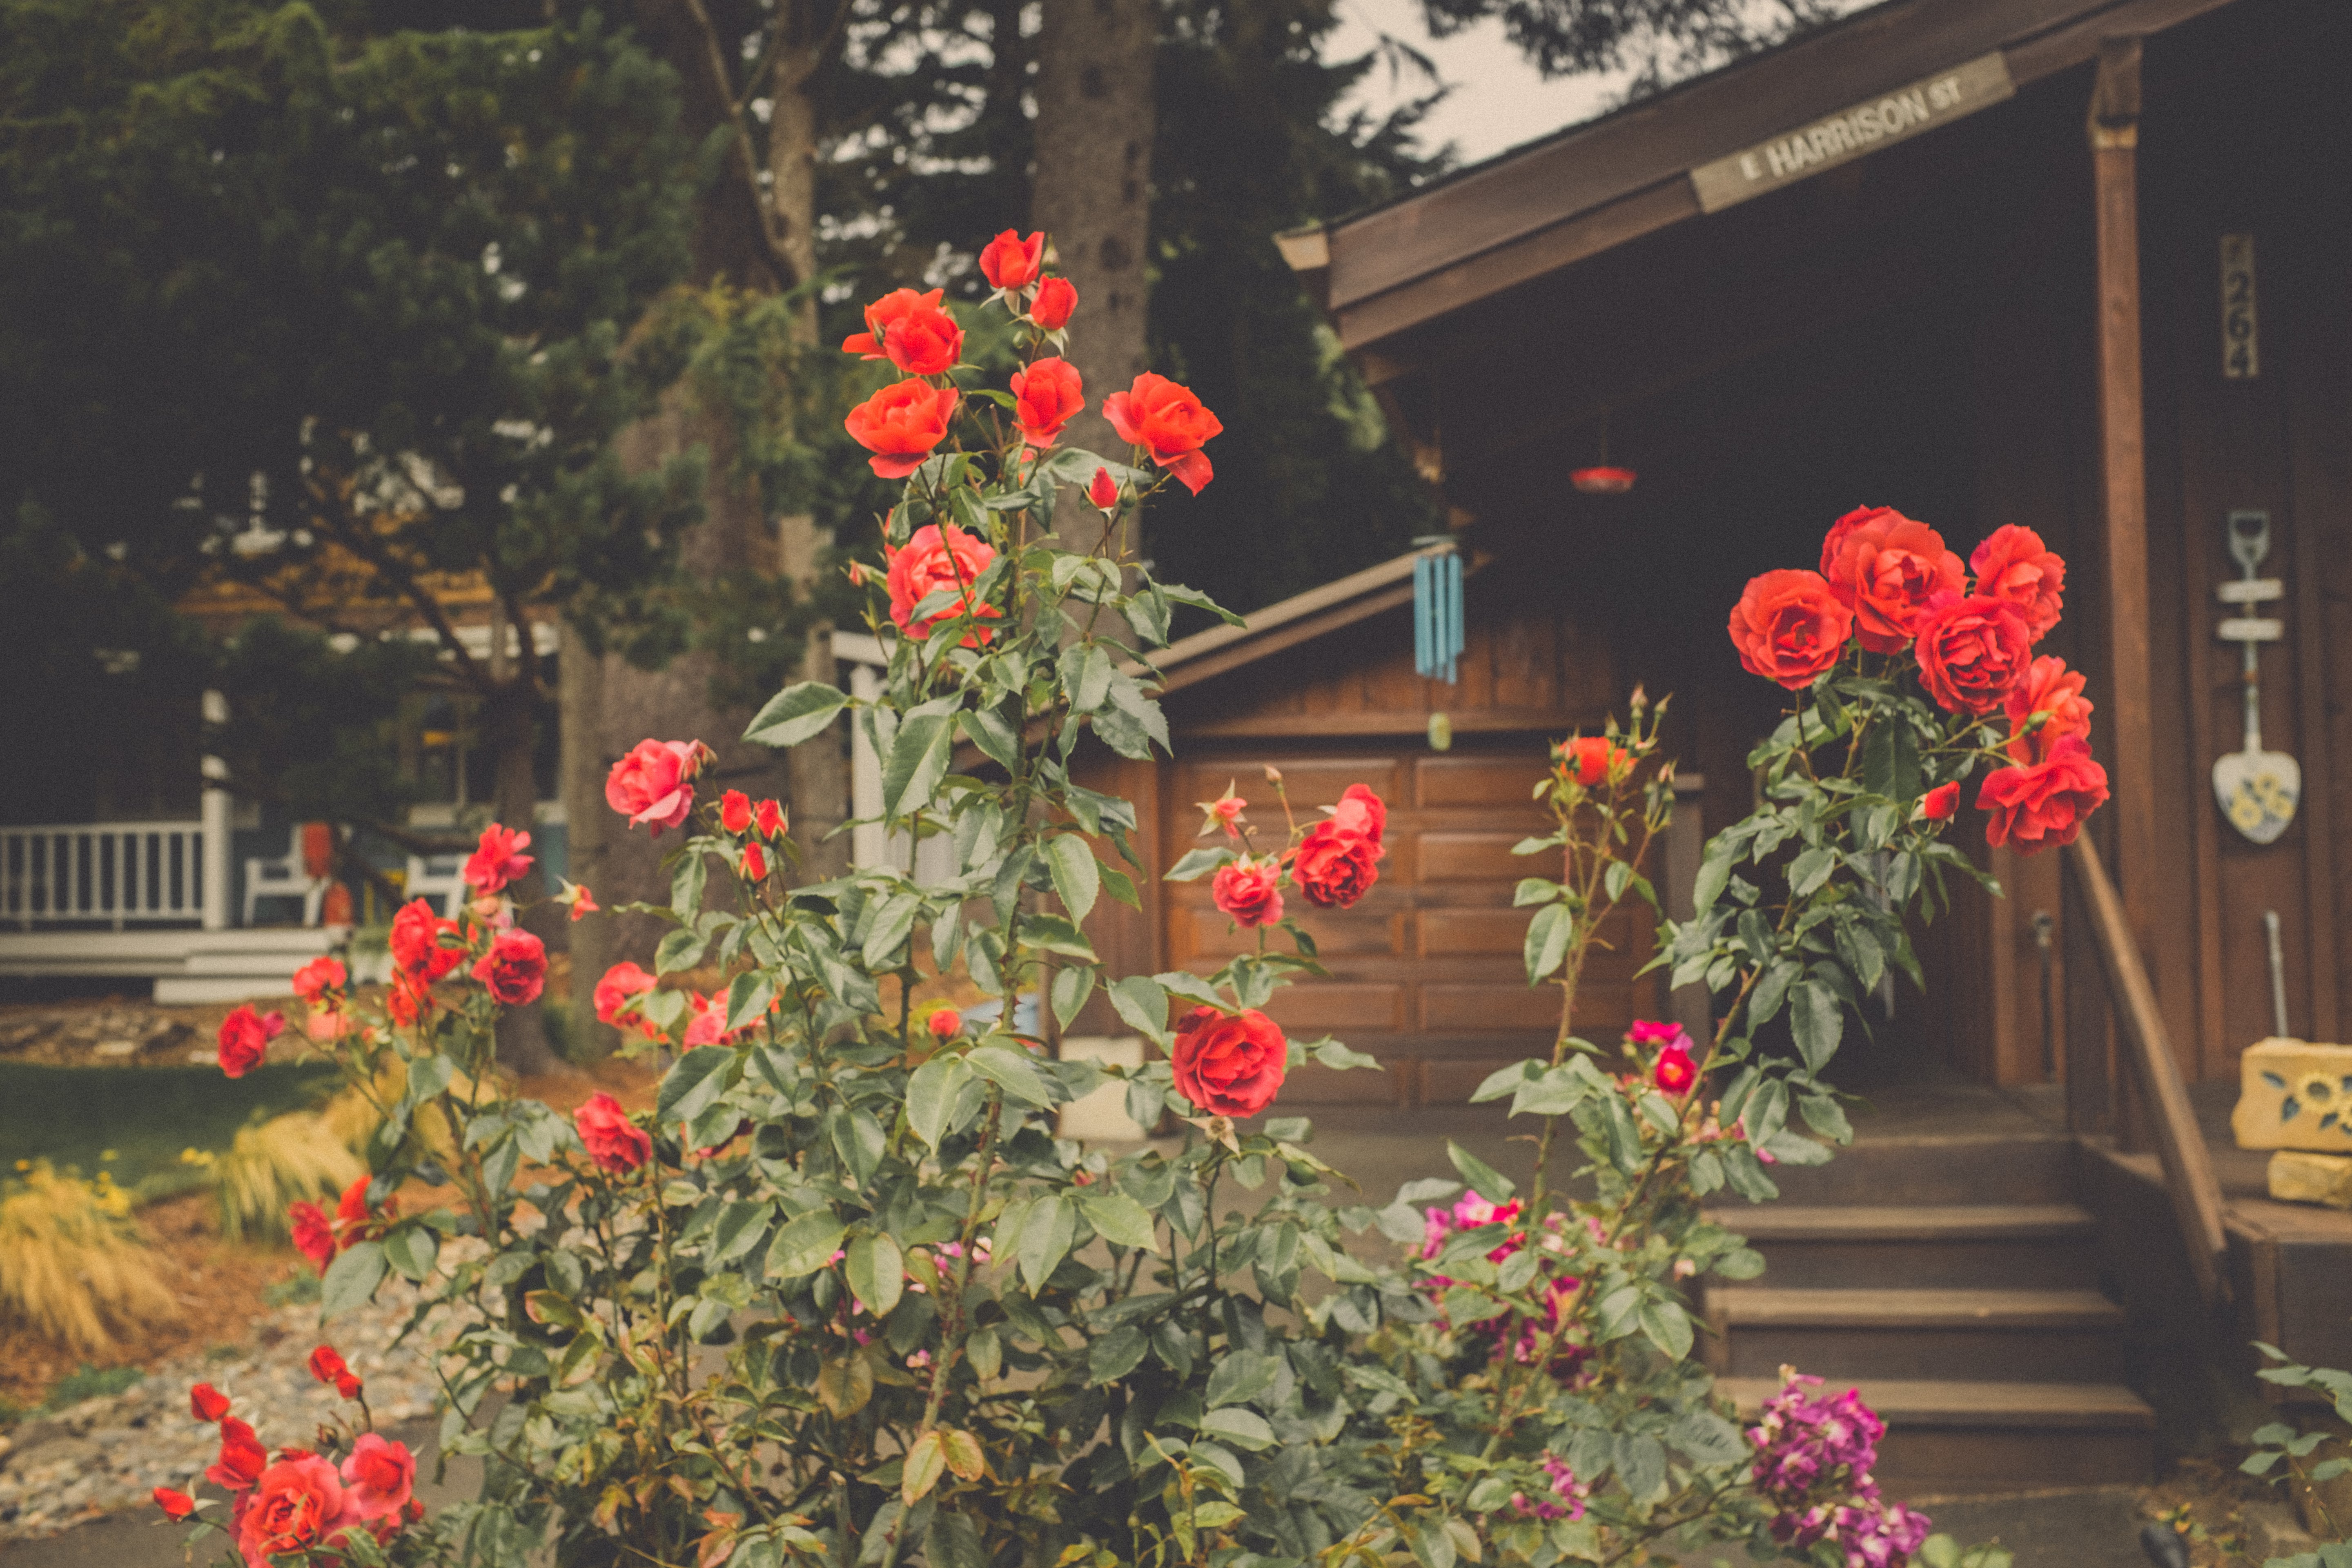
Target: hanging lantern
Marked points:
1437	613
1602	480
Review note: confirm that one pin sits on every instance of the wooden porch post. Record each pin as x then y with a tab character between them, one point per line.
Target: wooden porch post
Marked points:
2115	138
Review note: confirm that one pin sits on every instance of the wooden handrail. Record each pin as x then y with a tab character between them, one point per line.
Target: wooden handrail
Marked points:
2179	1145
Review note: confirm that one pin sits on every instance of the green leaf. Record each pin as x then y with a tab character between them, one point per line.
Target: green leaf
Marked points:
1484	1179
1817	1019
1715	870
1549	934
1077	875
1139	1000
411	1249
1506	1080
1243	1428
985	1352
1241	1376
953	1541
876	1273
1120	1219
1116	1355
1667	1326
797	713
1195	864
1011	1070
352	1278
926	1461
998	741
917	761
1810	869
679	1100
1086	676
1825	1116
1051	1226
932	1096
805	1245
887	928
1052	933
748	998
1708	1438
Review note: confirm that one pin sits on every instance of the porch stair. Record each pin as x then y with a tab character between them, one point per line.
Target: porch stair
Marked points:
1951	1277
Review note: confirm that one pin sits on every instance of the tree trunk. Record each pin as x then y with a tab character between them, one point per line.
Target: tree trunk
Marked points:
1093	194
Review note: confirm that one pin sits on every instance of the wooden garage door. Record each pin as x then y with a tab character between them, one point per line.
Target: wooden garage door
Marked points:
1426	970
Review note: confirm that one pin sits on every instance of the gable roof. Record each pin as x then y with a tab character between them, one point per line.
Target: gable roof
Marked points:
1597	185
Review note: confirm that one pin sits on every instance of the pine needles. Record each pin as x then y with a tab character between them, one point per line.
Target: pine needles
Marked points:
72	1266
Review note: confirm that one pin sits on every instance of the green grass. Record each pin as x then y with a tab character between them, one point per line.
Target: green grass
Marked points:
142	1116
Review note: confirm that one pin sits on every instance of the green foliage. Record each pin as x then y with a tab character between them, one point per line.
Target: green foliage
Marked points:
88	1382
2278	1441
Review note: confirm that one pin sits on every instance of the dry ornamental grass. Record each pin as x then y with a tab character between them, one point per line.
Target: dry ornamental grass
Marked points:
72	1266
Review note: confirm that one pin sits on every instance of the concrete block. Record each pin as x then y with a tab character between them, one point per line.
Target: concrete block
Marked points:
2273	1530
2299	1176
1101	1117
2294	1095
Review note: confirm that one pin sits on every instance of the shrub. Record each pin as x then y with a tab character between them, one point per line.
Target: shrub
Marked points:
272	1165
72	1265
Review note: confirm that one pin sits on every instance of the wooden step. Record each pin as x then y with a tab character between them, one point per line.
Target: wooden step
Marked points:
1918	1245
1951	1438
2004	1168
2008	1336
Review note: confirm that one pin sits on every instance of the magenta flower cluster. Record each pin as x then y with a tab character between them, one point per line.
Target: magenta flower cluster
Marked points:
1815	1455
1471	1212
1565	1499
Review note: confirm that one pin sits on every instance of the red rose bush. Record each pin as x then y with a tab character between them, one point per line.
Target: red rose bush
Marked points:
843	1285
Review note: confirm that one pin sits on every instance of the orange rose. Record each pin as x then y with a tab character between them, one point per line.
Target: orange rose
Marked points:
1891	571
298	1504
2013	564
2047	688
939	556
1047	396
1590	759
2045	802
1169	422
1789	628
900	424
911	331
1008	261
1229	1065
1056	297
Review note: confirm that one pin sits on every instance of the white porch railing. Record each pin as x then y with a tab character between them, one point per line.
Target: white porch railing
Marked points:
123	873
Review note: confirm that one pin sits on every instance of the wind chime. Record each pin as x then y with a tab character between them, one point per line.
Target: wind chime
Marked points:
1437	625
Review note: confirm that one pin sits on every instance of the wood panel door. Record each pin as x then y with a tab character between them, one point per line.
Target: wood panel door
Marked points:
1426	972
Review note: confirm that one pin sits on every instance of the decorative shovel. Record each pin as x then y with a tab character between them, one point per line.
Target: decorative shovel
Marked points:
2258	789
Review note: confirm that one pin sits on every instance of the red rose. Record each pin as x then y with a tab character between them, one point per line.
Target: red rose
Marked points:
314	1239
613	1141
618	992
900	424
769	818
407	1000
1103	490
354	1220
1250	892
1673	1073
2045	802
911	331
1008	261
1938	804
176	1505
1056	297
1843	527
242	1457
245	1037
945	1023
328	1365
735	810
382	1477
416	946
1229	1065
1891	571
207	1402
318	976
654	783
1590	759
708	1024
1169	422
2047	688
514	971
1789	628
2013	564
1333	866
1360	811
1971	653
298	1504
753	864
939	556
498	861
1047	396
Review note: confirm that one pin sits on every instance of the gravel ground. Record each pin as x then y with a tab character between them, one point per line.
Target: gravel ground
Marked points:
72	1466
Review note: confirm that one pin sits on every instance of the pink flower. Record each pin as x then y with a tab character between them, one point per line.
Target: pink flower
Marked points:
514	971
1360	812
1673	1073
613	1141
382	1475
708	1024
1225	812
318	976
617	993
654	783
938	557
1248	892
297	1504
498	861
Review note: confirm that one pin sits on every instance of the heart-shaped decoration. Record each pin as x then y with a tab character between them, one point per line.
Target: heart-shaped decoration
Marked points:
2258	792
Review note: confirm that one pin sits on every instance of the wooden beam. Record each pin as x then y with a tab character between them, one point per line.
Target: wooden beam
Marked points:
2180	1144
2123	471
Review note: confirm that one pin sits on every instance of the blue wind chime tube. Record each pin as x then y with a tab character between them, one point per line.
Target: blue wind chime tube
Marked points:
1437	619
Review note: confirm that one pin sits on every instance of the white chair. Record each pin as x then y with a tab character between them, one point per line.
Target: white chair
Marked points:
284	877
440	878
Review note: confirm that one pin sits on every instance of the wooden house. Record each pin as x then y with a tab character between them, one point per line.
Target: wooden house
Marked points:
2082	264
